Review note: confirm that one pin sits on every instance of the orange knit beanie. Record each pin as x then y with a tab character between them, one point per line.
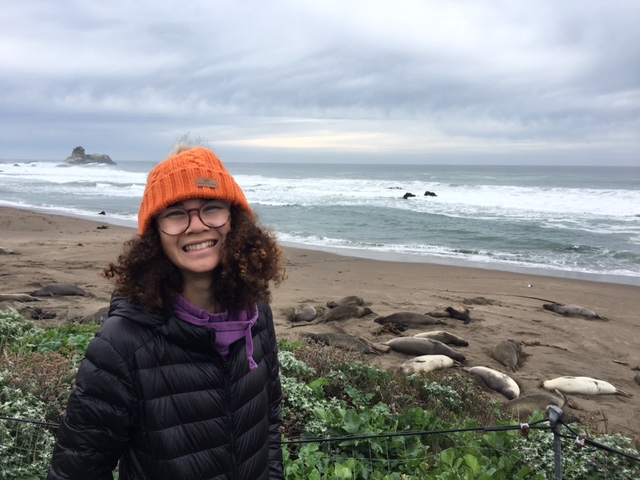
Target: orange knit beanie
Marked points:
196	173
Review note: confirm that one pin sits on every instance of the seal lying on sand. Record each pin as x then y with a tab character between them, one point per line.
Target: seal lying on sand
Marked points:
572	311
583	386
427	363
523	407
458	315
304	312
423	346
16	297
507	353
342	312
58	289
341	340
349	300
410	318
345	311
495	380
443	312
444	337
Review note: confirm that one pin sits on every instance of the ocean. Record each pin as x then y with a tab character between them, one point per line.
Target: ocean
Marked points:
576	222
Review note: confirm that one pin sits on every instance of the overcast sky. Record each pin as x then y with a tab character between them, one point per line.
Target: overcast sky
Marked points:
397	81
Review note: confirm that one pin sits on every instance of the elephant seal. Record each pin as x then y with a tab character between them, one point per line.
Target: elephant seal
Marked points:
444	337
458	315
349	300
58	289
443	312
17	297
427	363
6	306
423	346
583	386
637	378
507	352
341	312
572	311
341	340
345	311
495	380
410	318
305	312
523	407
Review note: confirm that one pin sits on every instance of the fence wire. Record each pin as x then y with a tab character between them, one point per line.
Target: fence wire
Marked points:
26	448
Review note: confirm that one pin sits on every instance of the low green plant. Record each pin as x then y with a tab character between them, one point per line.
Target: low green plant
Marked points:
70	340
25	448
13	328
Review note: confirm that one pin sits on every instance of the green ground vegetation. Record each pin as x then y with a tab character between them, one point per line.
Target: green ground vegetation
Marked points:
342	419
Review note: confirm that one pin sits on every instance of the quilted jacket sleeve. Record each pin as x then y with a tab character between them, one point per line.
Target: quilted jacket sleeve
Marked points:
275	413
99	416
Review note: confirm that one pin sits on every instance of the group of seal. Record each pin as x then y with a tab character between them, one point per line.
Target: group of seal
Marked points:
431	350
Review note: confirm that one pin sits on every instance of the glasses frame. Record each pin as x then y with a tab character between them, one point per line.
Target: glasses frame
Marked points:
188	212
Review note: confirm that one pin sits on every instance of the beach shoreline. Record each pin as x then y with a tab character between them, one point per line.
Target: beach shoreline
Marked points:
50	248
383	256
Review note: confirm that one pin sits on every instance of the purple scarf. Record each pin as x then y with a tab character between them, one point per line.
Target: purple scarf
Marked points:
229	326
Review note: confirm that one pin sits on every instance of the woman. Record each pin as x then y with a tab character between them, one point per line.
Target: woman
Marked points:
181	381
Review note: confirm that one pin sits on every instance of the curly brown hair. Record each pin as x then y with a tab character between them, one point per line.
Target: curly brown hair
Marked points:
250	259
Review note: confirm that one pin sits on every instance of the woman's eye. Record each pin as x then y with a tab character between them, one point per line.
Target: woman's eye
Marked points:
211	208
174	213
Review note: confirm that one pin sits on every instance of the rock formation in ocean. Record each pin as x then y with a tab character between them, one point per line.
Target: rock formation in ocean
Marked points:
78	157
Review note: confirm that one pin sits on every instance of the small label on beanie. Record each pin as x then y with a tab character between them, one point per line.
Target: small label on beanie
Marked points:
206	182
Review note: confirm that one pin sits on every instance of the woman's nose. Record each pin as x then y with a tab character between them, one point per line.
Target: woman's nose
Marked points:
198	225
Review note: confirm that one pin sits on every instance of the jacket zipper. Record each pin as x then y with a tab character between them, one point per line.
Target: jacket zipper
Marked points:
232	436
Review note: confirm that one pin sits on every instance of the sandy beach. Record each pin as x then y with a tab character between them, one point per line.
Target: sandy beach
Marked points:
40	249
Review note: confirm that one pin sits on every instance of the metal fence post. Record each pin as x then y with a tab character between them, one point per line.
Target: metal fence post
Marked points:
556	420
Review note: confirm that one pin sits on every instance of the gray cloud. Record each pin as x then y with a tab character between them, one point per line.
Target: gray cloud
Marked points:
435	81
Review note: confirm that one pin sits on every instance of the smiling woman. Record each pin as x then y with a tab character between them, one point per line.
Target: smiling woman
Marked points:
182	380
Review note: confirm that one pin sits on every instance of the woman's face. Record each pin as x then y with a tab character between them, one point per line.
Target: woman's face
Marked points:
197	249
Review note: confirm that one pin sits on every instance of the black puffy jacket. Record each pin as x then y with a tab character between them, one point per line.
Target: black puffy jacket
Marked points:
153	393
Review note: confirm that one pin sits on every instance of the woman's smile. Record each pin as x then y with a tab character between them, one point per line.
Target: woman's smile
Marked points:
199	246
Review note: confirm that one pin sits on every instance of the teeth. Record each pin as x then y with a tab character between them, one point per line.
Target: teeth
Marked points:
200	246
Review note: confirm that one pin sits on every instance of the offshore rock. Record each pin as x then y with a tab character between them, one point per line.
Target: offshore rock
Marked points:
78	157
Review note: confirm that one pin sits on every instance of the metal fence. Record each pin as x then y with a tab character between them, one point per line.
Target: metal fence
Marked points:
26	447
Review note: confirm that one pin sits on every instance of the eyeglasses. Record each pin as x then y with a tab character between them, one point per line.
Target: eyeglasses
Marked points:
176	220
